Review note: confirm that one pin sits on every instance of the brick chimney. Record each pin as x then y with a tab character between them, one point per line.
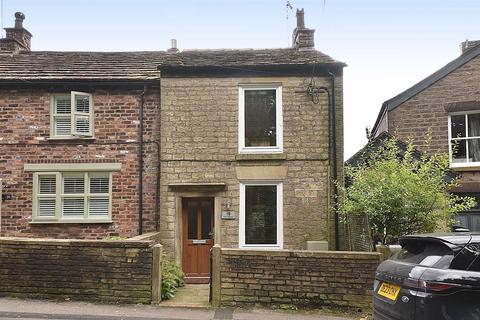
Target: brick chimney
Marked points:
302	38
468	44
173	46
17	38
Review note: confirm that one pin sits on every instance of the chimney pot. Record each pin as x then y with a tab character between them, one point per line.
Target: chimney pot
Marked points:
173	46
303	38
300	18
19	17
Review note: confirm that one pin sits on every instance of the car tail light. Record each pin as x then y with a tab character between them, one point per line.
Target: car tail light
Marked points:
428	285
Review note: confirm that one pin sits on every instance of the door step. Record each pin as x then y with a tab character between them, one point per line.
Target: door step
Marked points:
197	280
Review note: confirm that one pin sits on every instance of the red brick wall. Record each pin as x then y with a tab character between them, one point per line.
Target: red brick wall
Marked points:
24	132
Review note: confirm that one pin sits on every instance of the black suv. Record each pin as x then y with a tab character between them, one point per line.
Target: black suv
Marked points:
433	276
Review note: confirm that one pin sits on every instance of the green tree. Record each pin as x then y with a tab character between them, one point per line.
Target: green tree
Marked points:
402	191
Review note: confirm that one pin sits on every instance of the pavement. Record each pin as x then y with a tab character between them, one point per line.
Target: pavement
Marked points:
11	309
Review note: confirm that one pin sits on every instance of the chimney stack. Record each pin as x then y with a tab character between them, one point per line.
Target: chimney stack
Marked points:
303	38
173	46
466	45
17	38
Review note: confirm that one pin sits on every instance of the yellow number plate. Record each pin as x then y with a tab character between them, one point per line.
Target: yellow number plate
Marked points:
389	291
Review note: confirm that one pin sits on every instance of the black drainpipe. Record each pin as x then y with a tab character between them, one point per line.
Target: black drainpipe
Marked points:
159	151
140	162
335	173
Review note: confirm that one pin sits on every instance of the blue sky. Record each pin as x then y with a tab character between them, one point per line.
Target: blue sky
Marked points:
388	45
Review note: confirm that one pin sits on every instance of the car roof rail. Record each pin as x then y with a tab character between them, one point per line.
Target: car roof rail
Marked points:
456	228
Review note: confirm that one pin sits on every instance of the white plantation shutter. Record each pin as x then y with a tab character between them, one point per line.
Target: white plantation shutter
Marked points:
98	207
99	184
63	105
82	114
46	207
62	116
47	185
46	198
73	185
73	202
99	201
73	207
62	126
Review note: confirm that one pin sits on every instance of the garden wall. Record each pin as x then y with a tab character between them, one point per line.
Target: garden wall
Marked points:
125	271
300	278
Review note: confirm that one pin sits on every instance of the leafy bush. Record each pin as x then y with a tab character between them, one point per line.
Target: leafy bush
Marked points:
172	278
402	192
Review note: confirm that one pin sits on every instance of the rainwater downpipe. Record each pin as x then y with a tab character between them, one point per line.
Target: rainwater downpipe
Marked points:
140	162
334	156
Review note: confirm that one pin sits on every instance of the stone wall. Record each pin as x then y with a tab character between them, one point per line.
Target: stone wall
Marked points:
87	270
24	138
301	278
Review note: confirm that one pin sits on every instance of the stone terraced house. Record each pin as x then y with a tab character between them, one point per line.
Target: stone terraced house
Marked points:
447	104
235	147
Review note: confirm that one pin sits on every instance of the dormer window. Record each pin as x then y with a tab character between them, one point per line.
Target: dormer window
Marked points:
72	116
464	139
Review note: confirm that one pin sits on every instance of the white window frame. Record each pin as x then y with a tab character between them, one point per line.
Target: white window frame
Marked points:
241	227
59	196
241	120
73	134
466	138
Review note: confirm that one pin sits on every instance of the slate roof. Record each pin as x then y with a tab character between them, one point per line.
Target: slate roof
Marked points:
65	65
425	83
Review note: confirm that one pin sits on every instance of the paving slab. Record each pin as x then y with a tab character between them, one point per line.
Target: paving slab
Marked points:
190	296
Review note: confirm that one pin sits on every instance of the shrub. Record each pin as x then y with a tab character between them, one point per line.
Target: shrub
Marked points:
172	278
402	192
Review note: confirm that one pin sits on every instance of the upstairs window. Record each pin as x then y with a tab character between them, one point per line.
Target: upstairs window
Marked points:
72	116
72	197
464	139
260	119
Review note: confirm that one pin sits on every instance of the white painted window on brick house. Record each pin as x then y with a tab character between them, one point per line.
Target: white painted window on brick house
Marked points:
261	215
72	196
71	116
464	139
260	128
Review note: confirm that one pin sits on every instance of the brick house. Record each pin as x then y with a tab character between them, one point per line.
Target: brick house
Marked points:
239	146
446	103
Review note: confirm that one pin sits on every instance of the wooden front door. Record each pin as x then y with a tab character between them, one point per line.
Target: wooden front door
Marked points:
198	220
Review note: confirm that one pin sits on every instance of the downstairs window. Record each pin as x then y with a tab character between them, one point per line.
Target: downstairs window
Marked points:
261	215
72	197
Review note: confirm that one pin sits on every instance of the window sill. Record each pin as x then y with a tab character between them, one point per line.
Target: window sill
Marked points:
260	156
261	247
63	139
465	167
69	221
